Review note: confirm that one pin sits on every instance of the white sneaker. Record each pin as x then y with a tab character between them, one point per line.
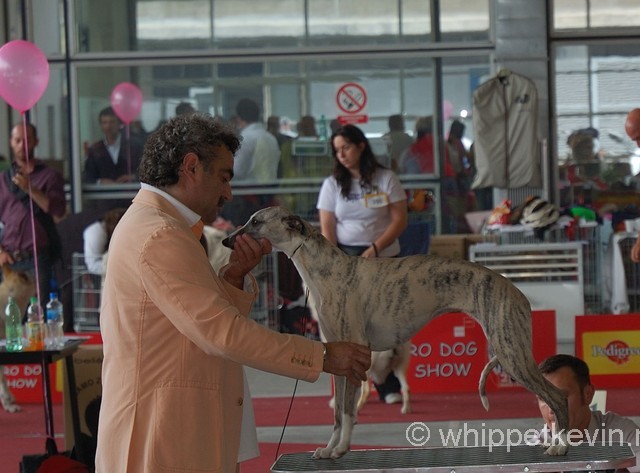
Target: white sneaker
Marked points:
393	398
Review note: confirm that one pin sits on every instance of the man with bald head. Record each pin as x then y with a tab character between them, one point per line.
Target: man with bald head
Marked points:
632	127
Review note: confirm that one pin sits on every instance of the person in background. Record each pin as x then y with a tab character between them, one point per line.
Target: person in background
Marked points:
307	127
96	239
397	139
456	181
44	186
257	161
419	158
259	154
363	210
176	334
632	127
112	159
571	375
273	127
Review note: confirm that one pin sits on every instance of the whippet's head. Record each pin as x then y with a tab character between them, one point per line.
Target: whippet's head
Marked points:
285	231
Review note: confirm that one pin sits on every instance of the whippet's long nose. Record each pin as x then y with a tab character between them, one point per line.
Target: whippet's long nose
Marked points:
231	239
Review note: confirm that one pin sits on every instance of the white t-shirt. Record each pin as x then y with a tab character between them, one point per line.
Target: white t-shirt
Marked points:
365	214
95	244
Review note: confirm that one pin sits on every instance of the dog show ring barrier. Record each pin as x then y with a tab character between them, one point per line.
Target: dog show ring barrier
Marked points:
504	459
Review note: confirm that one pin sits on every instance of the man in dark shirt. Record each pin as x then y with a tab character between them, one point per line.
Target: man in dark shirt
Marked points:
25	181
114	159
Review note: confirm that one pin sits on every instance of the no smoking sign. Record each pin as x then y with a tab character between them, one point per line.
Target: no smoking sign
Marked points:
351	100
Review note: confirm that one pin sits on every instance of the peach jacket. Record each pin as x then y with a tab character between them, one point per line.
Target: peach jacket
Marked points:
175	337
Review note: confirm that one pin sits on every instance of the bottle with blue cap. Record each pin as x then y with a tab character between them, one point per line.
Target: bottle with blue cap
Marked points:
55	320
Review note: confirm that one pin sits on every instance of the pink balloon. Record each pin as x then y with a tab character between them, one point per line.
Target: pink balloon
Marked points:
126	100
447	110
24	74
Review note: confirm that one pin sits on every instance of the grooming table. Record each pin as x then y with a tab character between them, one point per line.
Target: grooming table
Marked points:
522	458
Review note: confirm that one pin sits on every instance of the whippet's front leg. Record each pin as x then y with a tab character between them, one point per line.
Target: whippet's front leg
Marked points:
338	401
344	418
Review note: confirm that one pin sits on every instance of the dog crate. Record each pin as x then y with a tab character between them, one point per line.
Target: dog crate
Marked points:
551	275
87	289
626	283
594	248
86	296
266	307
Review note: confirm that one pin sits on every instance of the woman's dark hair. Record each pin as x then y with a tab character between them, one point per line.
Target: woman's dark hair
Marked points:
192	133
111	219
368	162
456	130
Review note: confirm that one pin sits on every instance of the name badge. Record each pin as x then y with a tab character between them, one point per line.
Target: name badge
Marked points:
376	201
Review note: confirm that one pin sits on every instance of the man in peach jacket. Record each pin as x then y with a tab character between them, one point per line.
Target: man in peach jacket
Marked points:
176	334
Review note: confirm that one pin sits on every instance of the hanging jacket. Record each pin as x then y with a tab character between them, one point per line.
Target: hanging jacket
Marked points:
505	113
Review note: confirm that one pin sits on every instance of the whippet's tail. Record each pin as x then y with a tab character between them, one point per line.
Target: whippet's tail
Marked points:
493	362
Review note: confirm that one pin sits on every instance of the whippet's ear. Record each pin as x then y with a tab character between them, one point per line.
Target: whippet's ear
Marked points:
293	222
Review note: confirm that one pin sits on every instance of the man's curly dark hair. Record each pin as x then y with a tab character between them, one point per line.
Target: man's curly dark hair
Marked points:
194	133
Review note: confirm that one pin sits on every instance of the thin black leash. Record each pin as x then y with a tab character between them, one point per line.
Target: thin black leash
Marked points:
295	386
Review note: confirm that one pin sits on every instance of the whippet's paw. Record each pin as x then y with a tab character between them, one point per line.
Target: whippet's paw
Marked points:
338	451
332	402
557	450
322	452
406	410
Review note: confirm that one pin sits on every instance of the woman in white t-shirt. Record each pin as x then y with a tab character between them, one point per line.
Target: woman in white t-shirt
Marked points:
363	210
96	239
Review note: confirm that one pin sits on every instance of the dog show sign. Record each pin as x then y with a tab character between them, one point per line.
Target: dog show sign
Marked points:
450	352
351	99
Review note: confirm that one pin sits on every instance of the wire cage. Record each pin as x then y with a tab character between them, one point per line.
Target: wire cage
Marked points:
593	251
87	291
631	273
86	296
266	307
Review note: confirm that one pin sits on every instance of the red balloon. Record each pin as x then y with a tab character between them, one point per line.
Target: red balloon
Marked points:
24	74
126	100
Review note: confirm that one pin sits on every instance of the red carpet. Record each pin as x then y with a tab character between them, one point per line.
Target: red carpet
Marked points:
23	433
315	410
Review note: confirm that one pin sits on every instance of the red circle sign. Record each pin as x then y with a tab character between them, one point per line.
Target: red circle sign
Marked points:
351	98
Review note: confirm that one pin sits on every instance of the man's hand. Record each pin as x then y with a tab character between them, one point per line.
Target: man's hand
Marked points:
21	181
247	253
347	359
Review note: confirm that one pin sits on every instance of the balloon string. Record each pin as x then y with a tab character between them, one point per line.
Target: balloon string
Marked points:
128	134
33	220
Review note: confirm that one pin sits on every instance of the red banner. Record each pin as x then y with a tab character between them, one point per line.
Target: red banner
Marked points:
25	381
449	354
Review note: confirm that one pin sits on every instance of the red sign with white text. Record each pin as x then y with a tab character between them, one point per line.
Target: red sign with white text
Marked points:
25	381
449	354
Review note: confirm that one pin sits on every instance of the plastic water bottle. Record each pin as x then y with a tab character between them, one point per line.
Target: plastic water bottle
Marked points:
35	325
54	335
13	325
323	131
